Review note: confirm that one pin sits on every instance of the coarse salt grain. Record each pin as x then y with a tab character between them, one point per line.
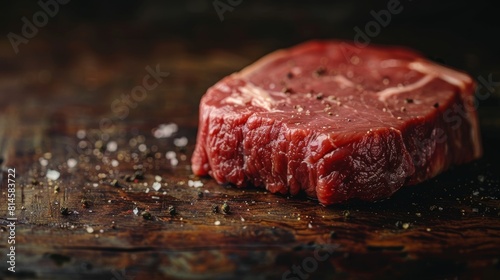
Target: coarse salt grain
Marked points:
80	134
180	142
53	174
165	130
112	146
170	155
43	162
71	162
143	147
156	186
195	184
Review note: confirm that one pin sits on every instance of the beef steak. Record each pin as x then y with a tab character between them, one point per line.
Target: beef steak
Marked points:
337	122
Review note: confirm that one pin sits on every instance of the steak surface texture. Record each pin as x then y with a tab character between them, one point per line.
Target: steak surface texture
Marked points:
337	122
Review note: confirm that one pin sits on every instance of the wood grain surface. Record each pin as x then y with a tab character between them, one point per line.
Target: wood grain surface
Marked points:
54	99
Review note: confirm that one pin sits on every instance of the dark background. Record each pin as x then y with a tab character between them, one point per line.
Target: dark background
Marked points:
459	33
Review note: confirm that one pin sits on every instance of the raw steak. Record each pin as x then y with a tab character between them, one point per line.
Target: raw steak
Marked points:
337	122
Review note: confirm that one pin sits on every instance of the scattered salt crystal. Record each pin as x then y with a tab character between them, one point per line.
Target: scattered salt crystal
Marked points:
165	130
95	185
242	219
309	225
158	178
114	163
89	229
71	162
143	147
147	190
180	142
43	162
156	186
135	211
112	146
80	134
53	174
155	197
170	155
174	162
195	184
217	223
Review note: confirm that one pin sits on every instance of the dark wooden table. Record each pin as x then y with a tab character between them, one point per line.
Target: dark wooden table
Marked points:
64	103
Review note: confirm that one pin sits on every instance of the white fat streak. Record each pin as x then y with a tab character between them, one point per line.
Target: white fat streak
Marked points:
386	93
343	81
431	70
259	97
252	94
451	76
223	87
389	63
235	100
455	78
